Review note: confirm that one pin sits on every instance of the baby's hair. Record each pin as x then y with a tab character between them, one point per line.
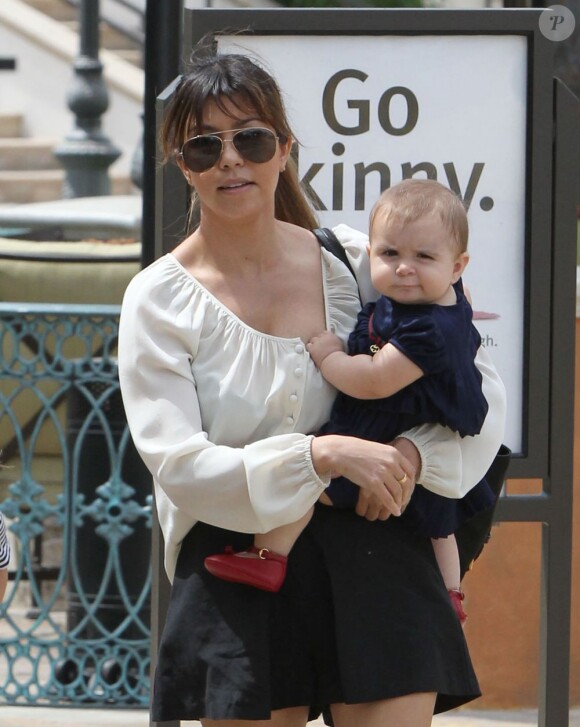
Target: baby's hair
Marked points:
412	199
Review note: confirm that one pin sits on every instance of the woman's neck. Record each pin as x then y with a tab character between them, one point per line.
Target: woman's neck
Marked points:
250	239
270	277
236	246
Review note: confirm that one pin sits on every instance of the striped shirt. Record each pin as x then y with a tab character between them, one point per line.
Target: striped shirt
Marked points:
4	547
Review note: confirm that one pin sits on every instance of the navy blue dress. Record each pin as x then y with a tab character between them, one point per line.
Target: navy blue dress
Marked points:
442	341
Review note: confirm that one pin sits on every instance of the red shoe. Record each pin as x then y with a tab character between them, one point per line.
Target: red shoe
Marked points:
456	596
266	571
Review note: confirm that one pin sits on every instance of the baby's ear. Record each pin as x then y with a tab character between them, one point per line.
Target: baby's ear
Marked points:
368	249
460	265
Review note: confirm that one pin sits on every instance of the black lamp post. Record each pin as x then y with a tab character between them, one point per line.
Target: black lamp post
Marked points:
163	28
7	64
86	153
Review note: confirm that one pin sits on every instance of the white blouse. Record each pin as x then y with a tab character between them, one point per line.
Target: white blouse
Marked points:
221	413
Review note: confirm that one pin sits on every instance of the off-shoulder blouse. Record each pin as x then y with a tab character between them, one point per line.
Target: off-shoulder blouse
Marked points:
223	415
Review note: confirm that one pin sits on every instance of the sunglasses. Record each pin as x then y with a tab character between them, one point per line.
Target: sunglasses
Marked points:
254	144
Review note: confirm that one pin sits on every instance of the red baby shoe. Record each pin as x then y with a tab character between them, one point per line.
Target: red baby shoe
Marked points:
456	596
258	567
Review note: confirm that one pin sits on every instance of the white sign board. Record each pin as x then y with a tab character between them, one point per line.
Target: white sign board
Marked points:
369	111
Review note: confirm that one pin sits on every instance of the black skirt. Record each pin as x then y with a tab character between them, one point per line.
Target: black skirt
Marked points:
362	616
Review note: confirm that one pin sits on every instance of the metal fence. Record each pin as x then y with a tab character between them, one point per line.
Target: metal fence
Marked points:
74	626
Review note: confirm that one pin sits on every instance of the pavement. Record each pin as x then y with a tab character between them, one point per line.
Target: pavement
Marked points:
56	716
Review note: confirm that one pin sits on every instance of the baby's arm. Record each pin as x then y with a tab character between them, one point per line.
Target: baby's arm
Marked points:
362	376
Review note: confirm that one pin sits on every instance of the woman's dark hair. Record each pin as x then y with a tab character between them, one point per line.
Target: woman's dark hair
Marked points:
241	81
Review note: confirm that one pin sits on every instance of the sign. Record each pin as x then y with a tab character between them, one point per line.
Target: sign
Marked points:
465	97
376	110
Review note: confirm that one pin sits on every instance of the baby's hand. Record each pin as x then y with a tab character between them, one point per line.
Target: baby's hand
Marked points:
321	346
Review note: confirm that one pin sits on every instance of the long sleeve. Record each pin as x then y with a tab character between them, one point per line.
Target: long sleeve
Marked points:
451	464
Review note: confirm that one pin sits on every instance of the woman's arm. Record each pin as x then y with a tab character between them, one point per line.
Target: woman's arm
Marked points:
251	488
3	582
384	474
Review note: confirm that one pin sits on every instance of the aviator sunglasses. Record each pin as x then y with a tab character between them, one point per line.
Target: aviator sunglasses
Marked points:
254	144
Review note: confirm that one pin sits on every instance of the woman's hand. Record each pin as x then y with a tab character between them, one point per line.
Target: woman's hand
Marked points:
409	450
321	346
386	477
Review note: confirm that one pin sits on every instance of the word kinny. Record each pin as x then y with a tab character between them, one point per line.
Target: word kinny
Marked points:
404	97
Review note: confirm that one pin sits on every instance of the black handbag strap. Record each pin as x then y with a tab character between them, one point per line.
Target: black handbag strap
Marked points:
329	240
474	534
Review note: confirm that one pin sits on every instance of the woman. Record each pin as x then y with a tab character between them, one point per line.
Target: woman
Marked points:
221	396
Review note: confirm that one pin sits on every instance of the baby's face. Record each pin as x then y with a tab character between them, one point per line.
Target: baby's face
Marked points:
416	262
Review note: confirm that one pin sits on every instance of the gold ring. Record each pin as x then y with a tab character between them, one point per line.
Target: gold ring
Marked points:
403	479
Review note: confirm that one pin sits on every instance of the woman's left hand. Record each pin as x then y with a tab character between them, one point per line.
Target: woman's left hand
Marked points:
409	450
380	469
370	507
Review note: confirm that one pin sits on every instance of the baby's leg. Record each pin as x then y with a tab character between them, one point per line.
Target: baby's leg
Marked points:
264	564
280	540
325	500
447	556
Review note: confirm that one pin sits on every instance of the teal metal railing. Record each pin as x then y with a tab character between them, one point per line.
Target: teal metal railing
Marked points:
74	625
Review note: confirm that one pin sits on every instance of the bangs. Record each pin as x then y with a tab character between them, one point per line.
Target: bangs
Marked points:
226	84
234	83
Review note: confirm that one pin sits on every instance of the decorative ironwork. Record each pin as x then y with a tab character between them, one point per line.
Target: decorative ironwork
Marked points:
74	626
